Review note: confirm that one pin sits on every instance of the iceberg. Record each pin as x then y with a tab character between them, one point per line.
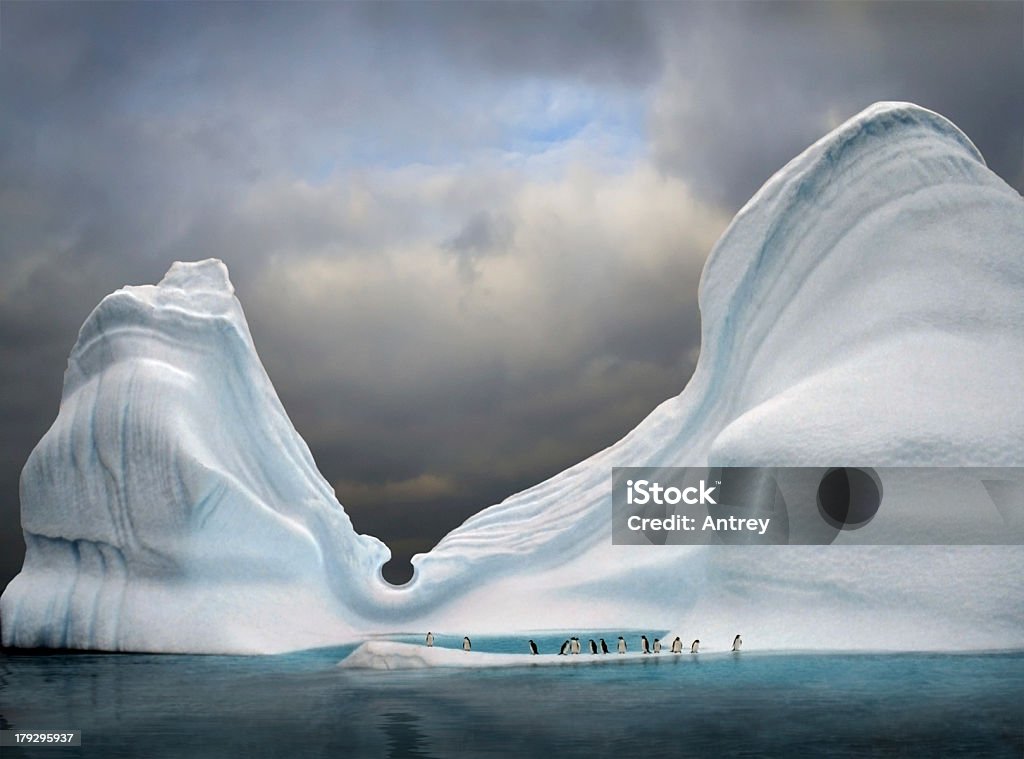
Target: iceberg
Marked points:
865	308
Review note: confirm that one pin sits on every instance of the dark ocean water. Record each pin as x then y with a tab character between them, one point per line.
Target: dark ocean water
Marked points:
753	704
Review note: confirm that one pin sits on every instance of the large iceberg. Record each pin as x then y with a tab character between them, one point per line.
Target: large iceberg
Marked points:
866	307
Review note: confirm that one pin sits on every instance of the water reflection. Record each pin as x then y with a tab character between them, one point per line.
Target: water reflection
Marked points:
404	738
169	706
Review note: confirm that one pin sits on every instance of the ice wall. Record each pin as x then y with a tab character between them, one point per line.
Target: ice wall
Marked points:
866	307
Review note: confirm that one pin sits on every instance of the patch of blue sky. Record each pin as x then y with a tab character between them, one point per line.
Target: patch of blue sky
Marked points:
537	126
545	117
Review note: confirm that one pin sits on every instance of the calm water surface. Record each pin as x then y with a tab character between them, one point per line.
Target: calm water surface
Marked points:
753	704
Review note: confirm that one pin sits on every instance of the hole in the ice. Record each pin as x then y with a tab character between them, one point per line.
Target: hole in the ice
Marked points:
397	571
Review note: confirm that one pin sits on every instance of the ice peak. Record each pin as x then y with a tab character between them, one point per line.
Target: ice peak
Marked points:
208	275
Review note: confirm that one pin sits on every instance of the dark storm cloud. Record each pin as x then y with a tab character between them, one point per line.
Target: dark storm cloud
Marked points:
748	86
605	43
484	234
459	267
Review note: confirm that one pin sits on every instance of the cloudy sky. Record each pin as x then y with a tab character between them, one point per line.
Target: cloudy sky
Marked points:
467	236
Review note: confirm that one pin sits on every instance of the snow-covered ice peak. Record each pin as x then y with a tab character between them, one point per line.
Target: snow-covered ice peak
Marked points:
876	277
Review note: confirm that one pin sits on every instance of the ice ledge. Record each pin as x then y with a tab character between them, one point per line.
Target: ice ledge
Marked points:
392	655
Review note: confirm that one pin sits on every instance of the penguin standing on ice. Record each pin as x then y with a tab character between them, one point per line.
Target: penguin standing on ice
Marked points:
565	649
622	645
466	645
604	646
695	647
574	647
533	648
657	646
644	645
593	646
736	643
430	640
677	646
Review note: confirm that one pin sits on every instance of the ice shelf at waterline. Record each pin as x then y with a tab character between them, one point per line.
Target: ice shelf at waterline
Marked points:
866	307
392	655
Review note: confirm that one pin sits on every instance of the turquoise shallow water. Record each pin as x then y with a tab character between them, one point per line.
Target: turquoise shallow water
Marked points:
754	704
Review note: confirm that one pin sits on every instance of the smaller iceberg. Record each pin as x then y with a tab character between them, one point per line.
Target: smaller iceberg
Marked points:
392	655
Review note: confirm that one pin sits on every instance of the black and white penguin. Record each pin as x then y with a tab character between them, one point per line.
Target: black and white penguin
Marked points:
677	646
695	647
657	646
604	646
533	648
574	645
565	649
593	646
430	639
644	645
736	643
466	645
622	645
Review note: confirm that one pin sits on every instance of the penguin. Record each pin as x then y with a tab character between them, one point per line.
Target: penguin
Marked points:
604	646
677	646
533	648
657	646
574	646
644	645
622	645
430	640
695	647
736	643
466	645
565	649
593	646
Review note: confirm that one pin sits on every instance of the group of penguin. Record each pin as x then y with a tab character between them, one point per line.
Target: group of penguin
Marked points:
572	645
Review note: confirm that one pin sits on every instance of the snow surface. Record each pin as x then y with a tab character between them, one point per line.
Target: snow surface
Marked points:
866	307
